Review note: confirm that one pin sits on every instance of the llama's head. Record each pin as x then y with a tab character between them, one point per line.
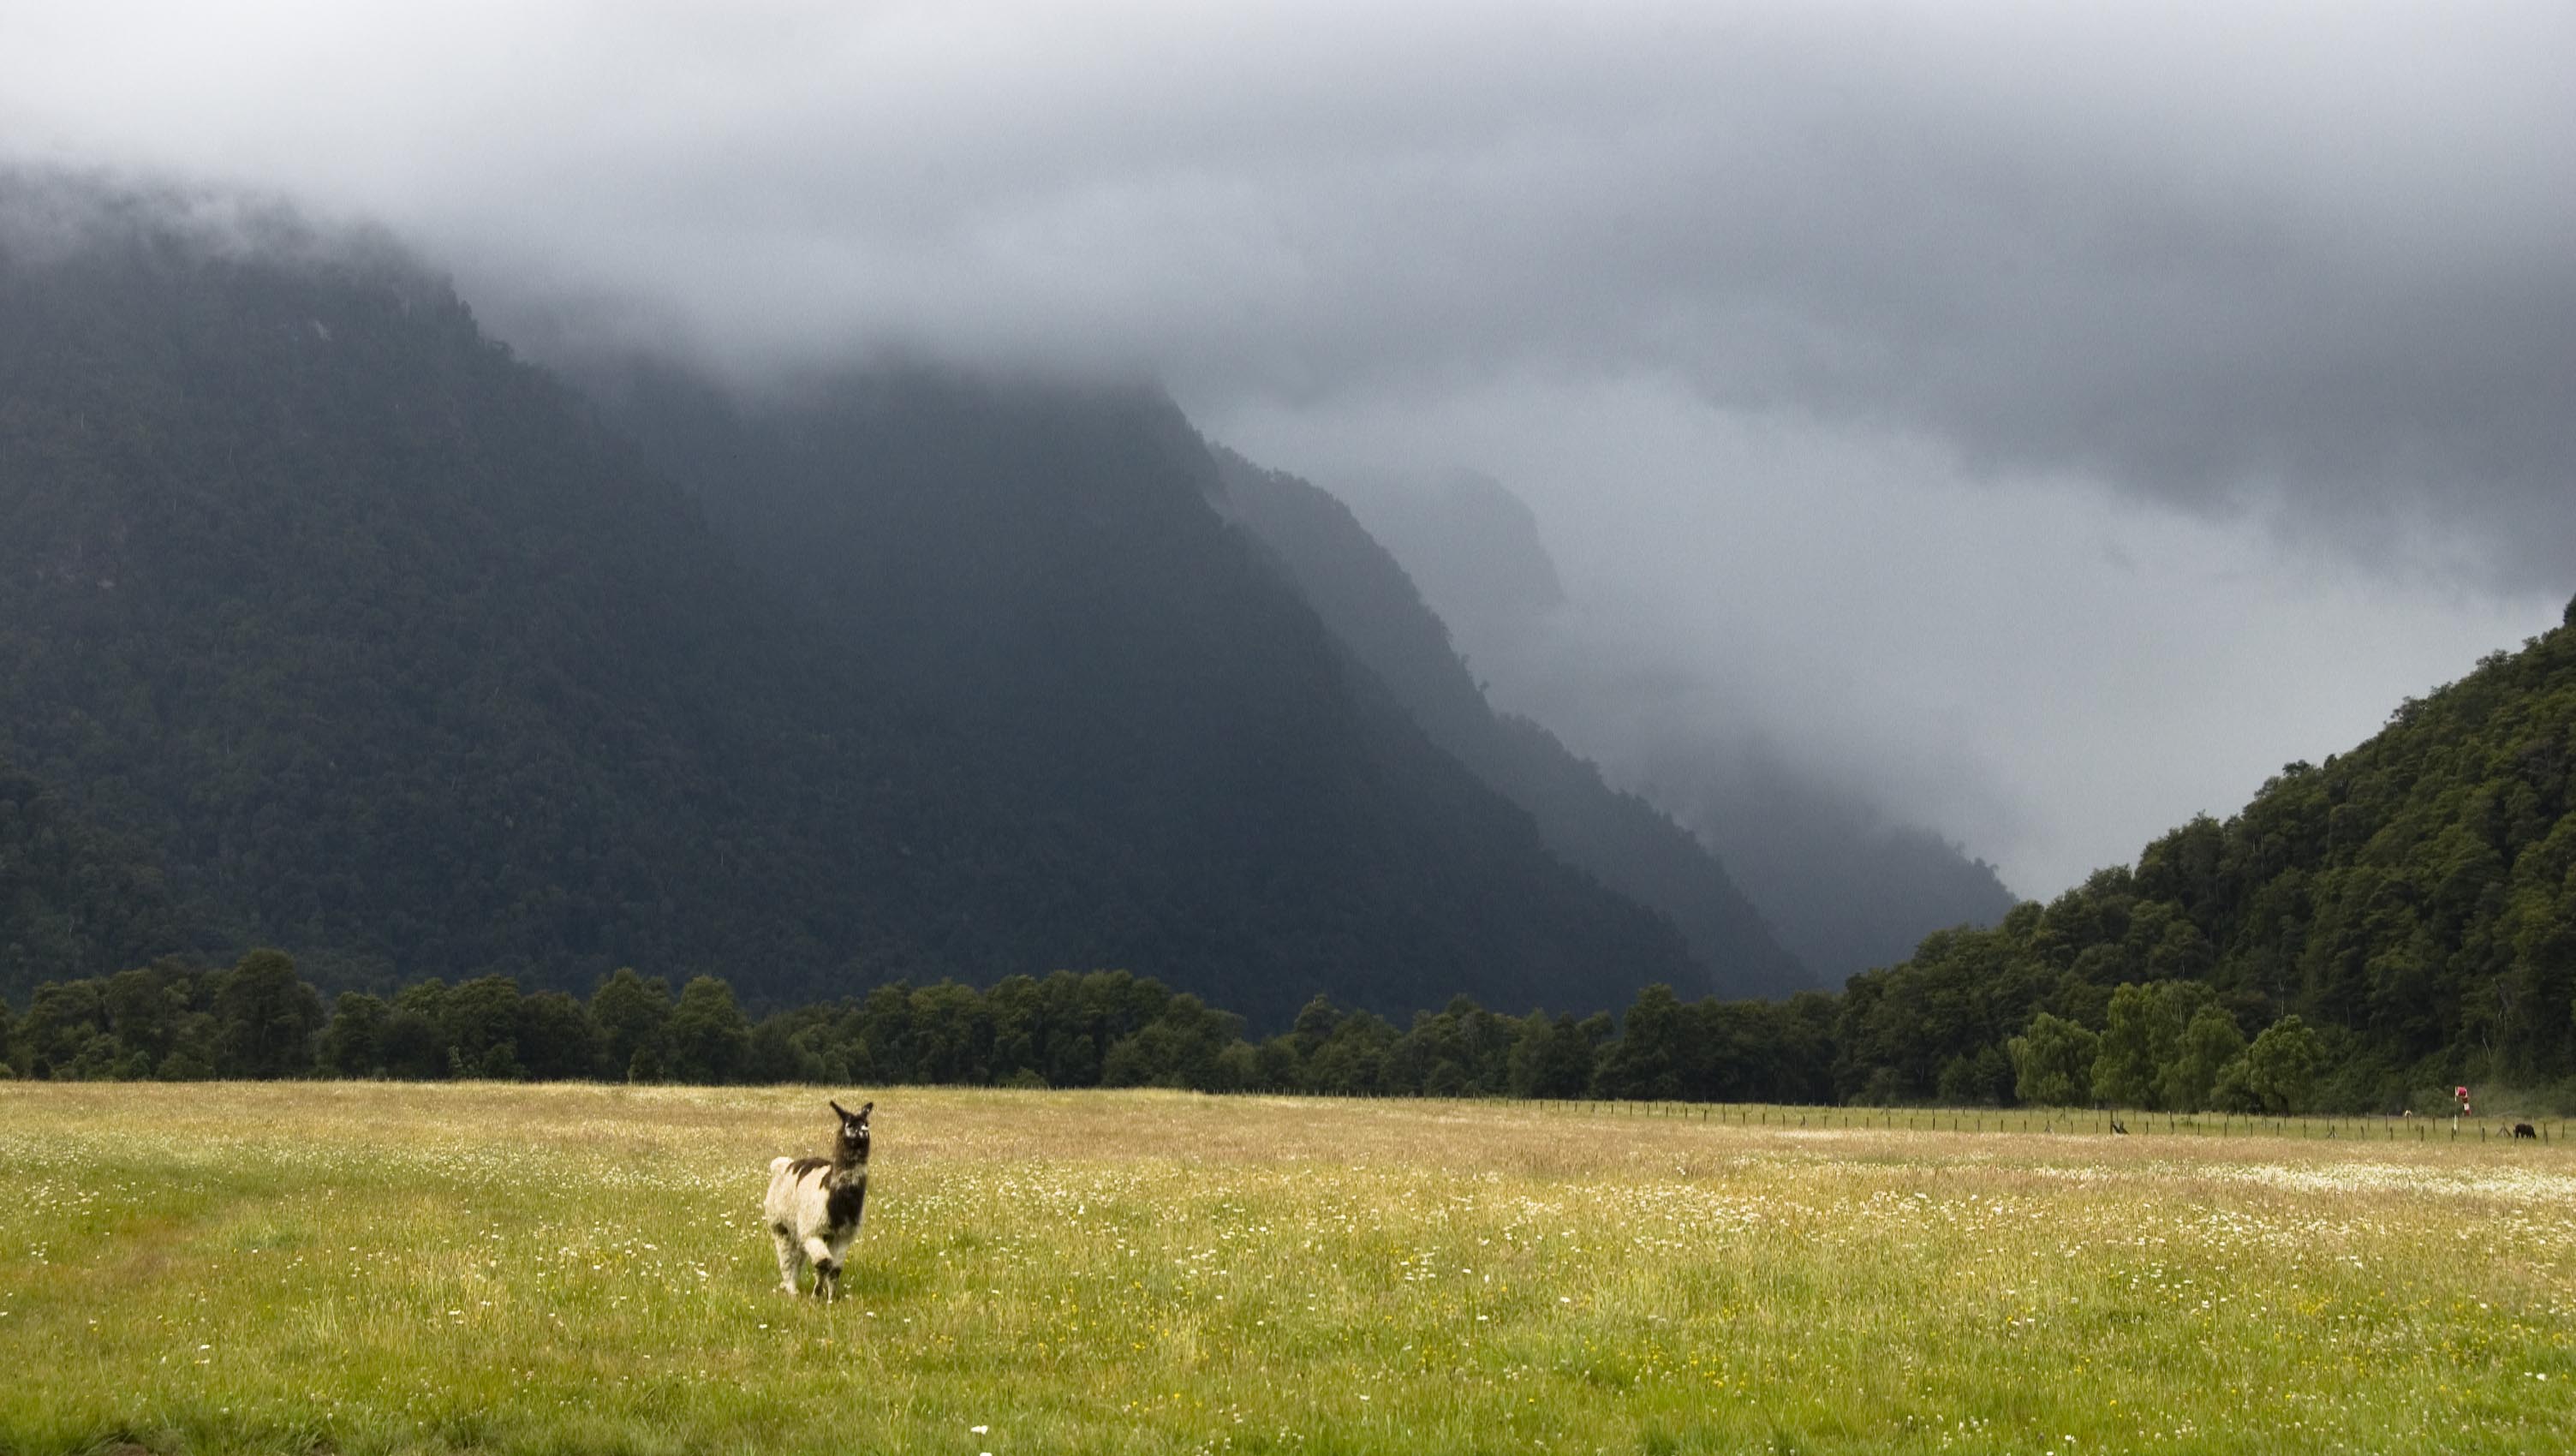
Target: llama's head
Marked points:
852	1145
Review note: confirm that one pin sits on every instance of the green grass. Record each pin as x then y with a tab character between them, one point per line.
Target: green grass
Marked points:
363	1268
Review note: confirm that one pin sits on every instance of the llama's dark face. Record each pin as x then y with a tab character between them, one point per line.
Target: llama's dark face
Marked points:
853	1144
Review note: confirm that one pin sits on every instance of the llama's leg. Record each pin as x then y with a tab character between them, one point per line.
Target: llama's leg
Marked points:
840	1260
791	1259
827	1270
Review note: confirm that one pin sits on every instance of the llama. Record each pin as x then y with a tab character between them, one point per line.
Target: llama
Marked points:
814	1205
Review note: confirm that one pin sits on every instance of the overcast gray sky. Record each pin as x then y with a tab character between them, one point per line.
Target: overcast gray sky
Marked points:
2055	416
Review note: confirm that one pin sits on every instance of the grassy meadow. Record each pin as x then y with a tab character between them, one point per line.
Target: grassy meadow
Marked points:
361	1267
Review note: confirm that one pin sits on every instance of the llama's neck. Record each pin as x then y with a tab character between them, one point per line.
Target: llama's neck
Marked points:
846	1171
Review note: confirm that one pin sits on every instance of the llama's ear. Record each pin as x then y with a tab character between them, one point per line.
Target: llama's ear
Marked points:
864	1109
843	1111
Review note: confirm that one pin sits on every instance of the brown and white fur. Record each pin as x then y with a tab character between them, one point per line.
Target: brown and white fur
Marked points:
814	1205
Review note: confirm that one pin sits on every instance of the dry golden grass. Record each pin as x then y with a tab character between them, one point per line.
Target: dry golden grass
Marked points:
366	1268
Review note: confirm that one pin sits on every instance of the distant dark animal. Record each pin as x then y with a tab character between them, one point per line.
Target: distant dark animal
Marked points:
2118	1128
814	1205
2525	1130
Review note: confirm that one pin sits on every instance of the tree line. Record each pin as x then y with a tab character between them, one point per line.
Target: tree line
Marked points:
177	1021
2362	936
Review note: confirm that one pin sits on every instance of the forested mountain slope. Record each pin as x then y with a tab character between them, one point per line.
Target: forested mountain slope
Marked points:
389	653
1046	564
1369	602
75	899
2414	900
388	650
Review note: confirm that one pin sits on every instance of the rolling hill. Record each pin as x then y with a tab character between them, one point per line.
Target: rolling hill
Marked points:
2413	900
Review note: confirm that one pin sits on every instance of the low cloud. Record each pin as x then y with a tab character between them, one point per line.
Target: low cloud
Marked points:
2045	671
2151	318
2317	258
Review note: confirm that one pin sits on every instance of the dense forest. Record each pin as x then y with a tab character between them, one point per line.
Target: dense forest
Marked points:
2412	903
175	1021
328	623
75	899
2367	933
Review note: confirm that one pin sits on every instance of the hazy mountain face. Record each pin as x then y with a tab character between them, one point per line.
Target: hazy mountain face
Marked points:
1845	884
1370	604
2004	398
1848	887
1048	564
392	652
378	643
1475	549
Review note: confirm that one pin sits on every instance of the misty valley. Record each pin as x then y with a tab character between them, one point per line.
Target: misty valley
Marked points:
995	729
334	632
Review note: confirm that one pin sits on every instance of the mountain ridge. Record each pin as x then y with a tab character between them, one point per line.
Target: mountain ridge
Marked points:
398	651
969	548
1842	886
1372	605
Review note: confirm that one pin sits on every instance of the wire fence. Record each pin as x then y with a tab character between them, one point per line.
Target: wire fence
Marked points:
2103	1122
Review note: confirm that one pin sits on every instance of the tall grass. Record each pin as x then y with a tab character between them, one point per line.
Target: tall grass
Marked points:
363	1268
